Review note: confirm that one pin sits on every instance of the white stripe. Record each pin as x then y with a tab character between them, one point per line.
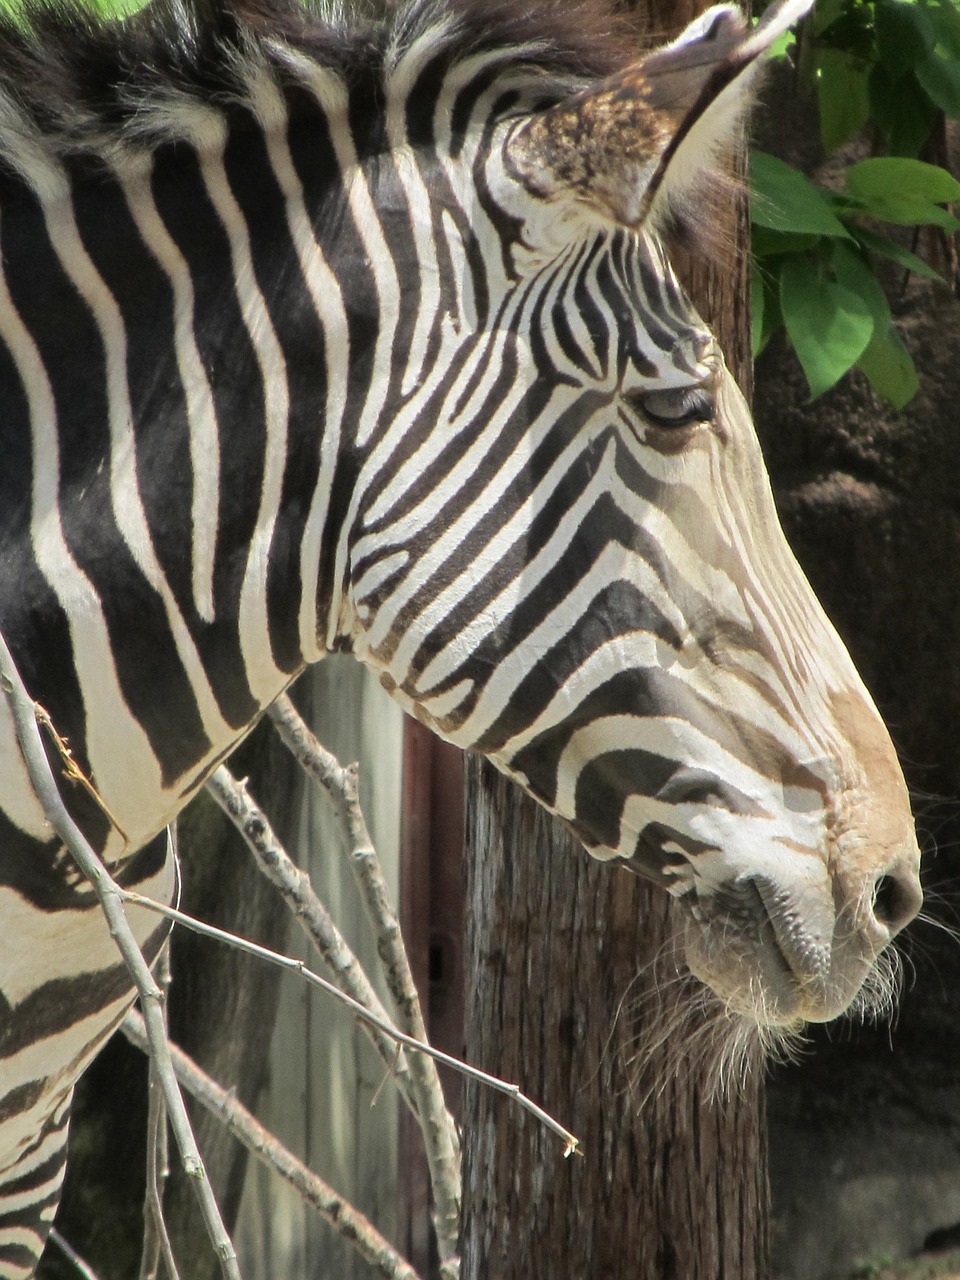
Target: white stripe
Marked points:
63	943
124	482
18	801
264	677
25	1200
201	411
419	205
325	294
680	741
124	766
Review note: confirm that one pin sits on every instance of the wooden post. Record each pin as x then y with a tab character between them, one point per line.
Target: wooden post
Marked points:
677	1191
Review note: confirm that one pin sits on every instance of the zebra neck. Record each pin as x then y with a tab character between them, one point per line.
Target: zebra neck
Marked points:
178	364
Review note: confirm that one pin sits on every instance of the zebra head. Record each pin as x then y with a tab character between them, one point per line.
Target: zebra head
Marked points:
597	594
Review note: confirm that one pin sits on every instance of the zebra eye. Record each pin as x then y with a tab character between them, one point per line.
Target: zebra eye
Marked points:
672	407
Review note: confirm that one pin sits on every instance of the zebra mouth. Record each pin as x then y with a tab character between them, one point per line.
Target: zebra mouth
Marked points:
789	932
752	944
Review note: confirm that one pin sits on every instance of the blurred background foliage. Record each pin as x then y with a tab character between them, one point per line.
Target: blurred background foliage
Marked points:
886	74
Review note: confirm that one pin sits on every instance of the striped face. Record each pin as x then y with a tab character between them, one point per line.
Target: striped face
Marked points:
580	573
605	605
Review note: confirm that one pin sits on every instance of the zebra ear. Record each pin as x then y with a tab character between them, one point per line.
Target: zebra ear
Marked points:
635	147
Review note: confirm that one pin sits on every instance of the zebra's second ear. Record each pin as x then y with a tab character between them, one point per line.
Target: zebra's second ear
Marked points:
634	148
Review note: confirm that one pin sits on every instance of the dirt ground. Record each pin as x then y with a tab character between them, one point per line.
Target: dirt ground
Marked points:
930	1266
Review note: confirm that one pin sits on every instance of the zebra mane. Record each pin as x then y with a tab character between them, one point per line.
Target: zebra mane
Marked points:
73	84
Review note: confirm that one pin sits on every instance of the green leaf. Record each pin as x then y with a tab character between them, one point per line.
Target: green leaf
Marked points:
784	200
756	310
910	211
906	192
764	241
825	15
941	79
828	324
766	318
782	45
903	257
889	368
843	96
945	16
882	176
853	272
905	35
902	111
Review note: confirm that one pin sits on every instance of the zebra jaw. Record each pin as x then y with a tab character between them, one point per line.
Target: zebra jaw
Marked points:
802	934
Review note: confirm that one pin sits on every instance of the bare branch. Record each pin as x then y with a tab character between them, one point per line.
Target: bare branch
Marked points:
156	1238
82	1268
571	1143
111	897
310	913
339	786
339	1213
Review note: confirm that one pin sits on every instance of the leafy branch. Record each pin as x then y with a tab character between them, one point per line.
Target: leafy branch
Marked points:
892	67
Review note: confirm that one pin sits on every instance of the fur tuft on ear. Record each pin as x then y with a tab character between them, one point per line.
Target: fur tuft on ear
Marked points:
635	148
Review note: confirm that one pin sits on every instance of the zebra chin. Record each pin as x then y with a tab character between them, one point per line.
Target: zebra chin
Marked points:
780	957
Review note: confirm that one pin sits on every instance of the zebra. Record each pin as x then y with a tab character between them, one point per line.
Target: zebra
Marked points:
325	334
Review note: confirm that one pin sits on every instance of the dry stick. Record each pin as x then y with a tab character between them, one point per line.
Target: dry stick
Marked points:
82	1268
156	1238
571	1143
111	898
339	786
312	916
339	1213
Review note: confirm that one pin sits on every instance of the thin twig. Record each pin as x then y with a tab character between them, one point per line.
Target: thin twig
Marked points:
339	786
82	1268
111	898
156	1238
312	916
342	1216
571	1143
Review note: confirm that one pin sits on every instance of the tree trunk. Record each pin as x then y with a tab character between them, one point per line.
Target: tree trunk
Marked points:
675	1189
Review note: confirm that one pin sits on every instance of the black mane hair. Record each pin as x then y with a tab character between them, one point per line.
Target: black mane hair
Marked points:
70	77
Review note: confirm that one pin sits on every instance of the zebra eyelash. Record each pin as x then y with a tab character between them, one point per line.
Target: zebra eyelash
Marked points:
673	407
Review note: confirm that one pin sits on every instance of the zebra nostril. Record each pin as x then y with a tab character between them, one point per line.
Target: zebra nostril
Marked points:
896	900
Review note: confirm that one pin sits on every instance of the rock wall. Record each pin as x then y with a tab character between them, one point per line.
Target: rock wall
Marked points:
865	1132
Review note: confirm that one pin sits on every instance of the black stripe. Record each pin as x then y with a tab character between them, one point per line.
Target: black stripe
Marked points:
44	1171
316	165
300	336
445	460
562	315
231	368
145	300
63	1003
533	536
615	609
72	351
46	876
